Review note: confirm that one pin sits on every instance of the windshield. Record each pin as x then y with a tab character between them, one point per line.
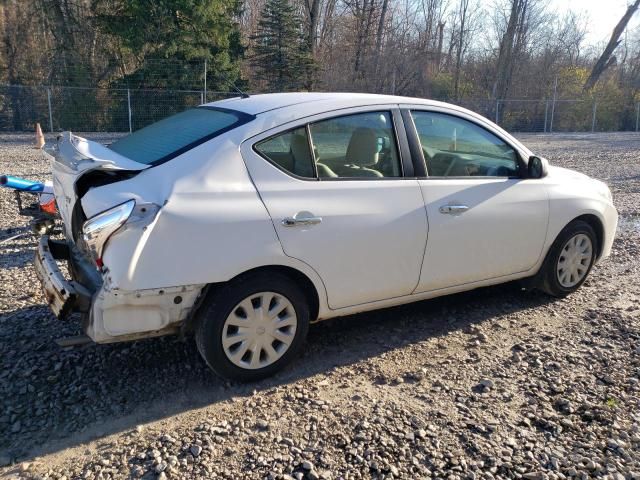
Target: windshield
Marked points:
172	136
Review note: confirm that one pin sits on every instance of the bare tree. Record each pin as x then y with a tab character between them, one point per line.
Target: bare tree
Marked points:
327	24
607	58
464	19
505	55
312	8
380	32
524	17
364	12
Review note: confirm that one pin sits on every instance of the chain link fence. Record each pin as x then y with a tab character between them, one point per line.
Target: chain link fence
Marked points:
85	109
560	115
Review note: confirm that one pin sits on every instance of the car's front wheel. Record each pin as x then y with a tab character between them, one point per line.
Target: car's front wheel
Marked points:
569	260
253	326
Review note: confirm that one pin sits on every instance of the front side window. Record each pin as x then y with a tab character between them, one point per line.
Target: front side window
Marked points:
455	147
172	136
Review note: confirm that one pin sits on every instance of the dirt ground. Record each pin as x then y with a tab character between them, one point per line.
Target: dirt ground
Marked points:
493	383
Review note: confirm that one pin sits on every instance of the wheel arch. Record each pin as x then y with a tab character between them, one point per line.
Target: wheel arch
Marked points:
598	227
541	279
308	287
593	220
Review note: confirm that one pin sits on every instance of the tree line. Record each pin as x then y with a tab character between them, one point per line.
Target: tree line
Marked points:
444	49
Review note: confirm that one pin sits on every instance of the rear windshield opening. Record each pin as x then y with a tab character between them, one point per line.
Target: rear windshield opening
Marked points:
172	136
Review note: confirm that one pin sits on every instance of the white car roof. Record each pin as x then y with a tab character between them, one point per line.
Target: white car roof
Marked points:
288	107
256	104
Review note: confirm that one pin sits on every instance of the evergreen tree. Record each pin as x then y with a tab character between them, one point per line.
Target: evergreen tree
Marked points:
280	52
170	39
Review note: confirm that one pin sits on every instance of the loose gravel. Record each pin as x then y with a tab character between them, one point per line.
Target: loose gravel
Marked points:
493	383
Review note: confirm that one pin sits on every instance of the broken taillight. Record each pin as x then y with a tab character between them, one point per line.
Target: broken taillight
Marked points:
97	230
49	207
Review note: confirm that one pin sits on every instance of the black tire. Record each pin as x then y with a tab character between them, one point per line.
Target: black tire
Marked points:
548	277
219	305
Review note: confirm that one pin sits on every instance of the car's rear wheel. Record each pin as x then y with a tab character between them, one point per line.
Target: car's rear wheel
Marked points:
252	327
569	260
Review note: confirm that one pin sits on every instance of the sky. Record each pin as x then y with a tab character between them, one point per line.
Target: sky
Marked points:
601	16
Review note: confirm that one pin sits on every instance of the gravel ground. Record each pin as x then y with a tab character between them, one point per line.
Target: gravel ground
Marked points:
494	383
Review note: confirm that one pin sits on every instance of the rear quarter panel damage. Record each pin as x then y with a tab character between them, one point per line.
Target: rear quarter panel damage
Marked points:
211	221
211	227
126	315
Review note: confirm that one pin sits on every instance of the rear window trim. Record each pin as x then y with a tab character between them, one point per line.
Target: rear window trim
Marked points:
242	117
255	145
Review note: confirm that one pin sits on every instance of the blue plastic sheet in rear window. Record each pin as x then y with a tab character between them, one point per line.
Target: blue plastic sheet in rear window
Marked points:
172	136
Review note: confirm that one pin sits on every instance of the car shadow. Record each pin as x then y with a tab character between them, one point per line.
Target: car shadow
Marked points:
56	398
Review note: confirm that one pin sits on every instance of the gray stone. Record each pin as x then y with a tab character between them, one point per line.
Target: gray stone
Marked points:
486	383
137	471
326	475
534	476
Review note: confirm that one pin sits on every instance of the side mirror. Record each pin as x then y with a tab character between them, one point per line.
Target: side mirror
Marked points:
537	167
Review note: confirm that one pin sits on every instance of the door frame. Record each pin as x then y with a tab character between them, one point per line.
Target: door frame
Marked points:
277	173
407	162
420	165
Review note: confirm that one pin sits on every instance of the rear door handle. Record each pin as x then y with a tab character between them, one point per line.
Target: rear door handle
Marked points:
301	219
453	209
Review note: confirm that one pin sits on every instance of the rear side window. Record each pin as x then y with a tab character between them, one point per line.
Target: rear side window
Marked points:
290	151
172	136
361	145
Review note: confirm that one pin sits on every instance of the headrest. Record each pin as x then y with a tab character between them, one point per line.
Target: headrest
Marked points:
363	148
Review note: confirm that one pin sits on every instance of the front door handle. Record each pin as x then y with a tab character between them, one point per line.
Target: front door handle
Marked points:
453	209
301	219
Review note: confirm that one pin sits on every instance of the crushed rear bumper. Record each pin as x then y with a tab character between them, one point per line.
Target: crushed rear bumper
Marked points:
63	296
109	315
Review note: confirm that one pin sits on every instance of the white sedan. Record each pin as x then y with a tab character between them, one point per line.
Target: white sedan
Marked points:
246	219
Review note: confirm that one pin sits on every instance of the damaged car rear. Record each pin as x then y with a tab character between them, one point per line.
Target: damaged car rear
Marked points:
123	209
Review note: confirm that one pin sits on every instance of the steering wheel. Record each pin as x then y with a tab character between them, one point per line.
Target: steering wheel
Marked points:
498	171
450	167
